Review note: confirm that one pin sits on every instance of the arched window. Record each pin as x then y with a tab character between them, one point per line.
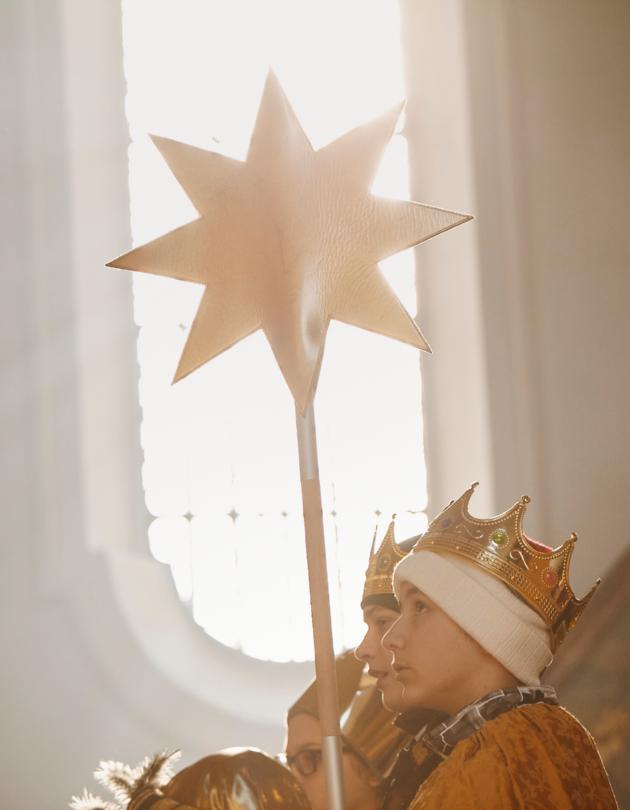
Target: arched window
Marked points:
220	459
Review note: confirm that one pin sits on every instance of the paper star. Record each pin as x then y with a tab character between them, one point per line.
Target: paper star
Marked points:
287	240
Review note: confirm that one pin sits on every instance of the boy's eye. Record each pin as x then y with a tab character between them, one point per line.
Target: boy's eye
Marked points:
419	606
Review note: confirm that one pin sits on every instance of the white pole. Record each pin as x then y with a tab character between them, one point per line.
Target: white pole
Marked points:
328	701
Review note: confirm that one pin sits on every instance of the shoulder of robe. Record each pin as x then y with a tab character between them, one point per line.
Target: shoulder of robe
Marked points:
535	757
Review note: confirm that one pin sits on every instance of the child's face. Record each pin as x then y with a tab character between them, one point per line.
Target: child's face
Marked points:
434	659
304	746
378	620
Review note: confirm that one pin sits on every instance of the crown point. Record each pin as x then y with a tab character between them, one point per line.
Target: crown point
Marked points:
383	559
525	499
474	485
393	515
573	537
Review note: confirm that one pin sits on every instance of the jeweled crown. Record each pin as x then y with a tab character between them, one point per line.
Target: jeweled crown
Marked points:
539	575
378	577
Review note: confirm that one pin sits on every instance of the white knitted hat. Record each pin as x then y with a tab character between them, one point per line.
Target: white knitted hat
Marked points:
484	607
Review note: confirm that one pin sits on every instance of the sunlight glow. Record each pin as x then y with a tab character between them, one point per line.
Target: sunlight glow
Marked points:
220	467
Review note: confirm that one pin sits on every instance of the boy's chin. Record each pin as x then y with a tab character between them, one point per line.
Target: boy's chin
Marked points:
416	700
393	699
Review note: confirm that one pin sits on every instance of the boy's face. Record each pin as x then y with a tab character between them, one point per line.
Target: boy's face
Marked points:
434	659
379	660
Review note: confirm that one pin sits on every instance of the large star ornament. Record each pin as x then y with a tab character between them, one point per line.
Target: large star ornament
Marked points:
287	240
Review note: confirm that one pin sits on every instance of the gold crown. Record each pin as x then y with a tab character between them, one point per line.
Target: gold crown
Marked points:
378	577
370	730
537	574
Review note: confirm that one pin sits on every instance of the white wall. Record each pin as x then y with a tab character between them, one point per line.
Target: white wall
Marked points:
85	612
539	312
56	706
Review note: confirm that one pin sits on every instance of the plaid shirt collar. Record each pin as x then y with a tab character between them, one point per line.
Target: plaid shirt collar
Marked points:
441	739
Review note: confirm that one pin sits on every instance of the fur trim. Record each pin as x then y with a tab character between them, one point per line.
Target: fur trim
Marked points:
156	771
125	782
116	777
89	802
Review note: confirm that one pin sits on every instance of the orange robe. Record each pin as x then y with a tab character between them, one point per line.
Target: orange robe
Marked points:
535	757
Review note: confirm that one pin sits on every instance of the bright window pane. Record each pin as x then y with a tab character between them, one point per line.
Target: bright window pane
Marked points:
220	458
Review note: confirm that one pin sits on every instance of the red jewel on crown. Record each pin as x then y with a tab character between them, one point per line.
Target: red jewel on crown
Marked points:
550	578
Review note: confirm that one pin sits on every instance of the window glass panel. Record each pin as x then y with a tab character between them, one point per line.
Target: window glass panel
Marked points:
220	467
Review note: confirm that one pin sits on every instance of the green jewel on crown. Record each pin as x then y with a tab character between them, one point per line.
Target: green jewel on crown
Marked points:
498	537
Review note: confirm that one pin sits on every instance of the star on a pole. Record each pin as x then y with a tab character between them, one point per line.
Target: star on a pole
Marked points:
287	240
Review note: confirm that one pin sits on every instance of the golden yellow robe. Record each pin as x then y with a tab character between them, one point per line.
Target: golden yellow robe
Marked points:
535	757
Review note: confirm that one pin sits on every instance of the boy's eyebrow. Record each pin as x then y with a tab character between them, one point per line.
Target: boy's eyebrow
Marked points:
415	593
